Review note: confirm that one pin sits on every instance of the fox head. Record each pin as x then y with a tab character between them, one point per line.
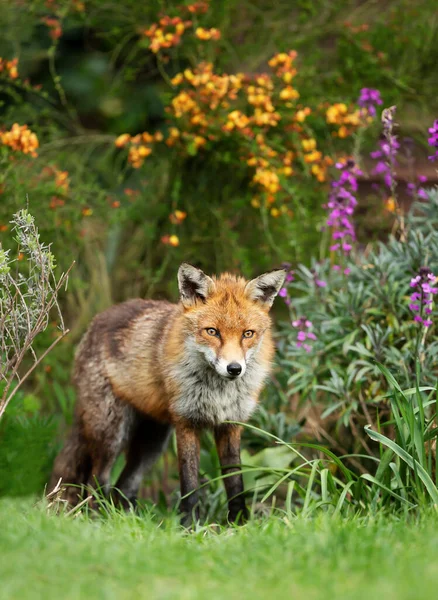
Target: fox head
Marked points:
226	318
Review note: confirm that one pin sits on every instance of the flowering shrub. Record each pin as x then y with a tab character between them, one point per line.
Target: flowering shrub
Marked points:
379	306
252	123
422	298
20	139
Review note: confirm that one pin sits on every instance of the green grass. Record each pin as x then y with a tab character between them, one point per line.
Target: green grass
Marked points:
45	556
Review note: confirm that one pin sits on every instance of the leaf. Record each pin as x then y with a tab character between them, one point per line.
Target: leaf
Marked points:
409	460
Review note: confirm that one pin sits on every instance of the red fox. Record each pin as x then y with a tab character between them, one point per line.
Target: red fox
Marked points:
145	367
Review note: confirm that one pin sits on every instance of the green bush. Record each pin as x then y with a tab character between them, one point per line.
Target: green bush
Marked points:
359	320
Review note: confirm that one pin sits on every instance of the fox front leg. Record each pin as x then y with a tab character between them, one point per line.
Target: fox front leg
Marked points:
228	446
187	440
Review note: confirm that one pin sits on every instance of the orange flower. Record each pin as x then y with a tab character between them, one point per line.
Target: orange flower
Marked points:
267	179
197	7
21	139
61	180
177	217
122	140
390	204
199	141
170	240
166	33
55	202
207	34
313	156
289	93
10	67
54	26
301	114
308	144
87	211
130	192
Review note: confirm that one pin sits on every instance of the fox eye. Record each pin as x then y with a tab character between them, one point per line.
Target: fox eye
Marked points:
248	334
212	331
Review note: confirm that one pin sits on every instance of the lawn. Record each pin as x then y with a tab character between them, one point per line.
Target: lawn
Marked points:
124	556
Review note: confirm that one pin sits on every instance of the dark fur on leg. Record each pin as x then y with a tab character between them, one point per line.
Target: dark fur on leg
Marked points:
148	441
188	445
228	446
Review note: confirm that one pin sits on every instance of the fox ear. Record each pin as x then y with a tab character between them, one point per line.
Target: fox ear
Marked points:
264	288
193	284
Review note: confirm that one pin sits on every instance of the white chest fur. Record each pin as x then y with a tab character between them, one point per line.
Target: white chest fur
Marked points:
209	399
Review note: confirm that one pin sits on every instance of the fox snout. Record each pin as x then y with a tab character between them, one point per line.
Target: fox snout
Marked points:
231	369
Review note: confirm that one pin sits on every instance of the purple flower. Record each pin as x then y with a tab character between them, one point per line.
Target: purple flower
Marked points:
320	283
433	140
369	99
422	299
341	205
387	153
283	293
304	325
415	190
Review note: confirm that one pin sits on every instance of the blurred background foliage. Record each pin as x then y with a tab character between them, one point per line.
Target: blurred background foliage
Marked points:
87	75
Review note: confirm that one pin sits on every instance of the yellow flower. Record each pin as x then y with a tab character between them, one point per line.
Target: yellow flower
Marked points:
177	80
267	179
335	112
122	140
144	151
275	212
289	93
309	144
174	240
319	172
313	156
207	34
177	217
390	204
199	141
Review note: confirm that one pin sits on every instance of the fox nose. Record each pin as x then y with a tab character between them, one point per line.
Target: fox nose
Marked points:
234	369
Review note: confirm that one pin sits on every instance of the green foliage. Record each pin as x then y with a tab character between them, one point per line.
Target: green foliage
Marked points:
361	319
27	447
